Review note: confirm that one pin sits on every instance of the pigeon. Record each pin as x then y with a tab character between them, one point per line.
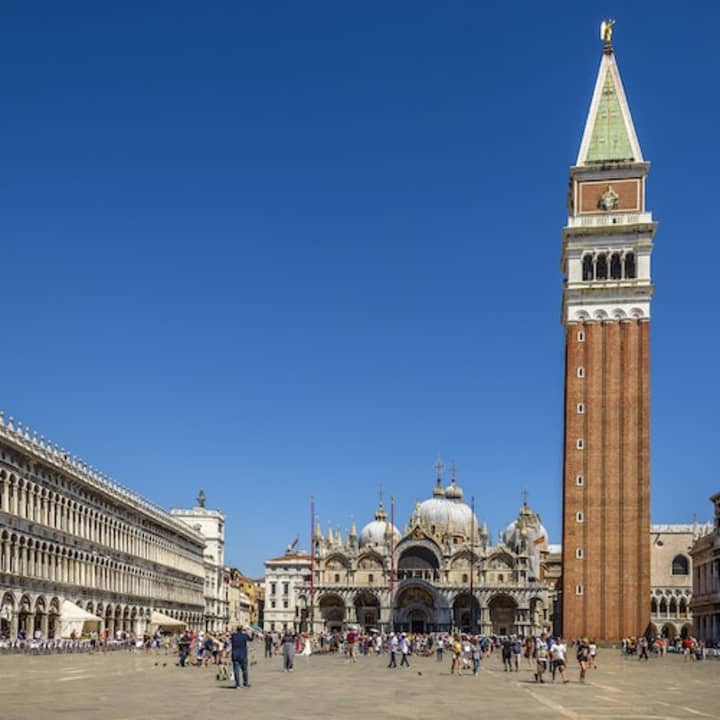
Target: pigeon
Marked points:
419	673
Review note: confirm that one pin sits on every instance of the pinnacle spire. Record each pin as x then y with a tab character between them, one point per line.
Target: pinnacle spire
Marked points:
609	134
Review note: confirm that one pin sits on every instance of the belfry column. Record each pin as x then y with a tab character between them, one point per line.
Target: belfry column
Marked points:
606	250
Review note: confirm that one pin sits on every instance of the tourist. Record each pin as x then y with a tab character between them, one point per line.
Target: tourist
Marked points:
440	649
507	645
183	645
404	647
583	657
288	650
238	642
558	660
393	647
643	649
350	641
516	650
475	651
593	654
541	659
528	652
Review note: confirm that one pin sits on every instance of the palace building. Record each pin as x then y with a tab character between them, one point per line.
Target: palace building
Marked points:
74	543
441	573
606	249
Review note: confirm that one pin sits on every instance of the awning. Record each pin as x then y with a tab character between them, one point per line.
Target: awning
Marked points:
73	619
71	611
165	621
256	628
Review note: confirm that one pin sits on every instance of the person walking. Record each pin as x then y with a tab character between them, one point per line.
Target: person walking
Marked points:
393	648
288	650
404	646
583	657
558	659
239	652
268	645
643	649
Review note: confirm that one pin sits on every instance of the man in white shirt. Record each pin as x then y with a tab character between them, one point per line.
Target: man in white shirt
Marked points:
558	658
393	650
404	650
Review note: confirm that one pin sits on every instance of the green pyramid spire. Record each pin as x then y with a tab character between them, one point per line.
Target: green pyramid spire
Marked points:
610	139
609	134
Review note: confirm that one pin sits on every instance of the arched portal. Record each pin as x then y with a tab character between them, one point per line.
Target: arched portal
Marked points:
414	609
25	617
419	562
7	609
332	611
466	612
669	632
53	618
502	615
367	610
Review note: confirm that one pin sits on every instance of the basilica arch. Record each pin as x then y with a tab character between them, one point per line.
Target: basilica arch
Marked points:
419	560
502	614
332	612
415	607
367	610
465	612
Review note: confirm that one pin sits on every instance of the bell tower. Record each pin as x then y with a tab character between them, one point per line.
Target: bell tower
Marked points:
606	249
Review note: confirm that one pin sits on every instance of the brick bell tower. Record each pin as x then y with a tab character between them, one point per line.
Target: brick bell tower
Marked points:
606	249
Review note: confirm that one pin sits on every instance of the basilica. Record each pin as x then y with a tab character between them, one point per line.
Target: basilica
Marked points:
442	573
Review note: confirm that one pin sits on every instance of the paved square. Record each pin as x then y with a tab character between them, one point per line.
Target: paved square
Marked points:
131	686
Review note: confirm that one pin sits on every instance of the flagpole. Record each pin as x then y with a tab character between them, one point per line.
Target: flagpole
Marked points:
472	565
392	563
311	629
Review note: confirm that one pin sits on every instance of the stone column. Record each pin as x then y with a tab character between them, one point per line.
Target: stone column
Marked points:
14	625
6	495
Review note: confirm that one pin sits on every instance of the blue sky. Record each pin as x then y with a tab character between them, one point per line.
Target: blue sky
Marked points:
275	249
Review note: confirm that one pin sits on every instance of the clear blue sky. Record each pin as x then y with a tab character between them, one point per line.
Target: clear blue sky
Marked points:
275	249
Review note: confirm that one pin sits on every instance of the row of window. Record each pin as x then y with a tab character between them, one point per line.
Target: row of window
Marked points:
609	266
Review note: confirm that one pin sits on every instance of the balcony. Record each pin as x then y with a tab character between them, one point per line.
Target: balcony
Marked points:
606	219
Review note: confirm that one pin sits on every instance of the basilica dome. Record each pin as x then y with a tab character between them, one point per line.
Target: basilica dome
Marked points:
378	531
445	512
526	527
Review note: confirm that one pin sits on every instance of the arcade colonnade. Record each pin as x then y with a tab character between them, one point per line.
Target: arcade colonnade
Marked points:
69	533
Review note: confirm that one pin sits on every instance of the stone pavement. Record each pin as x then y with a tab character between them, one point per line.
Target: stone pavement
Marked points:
131	686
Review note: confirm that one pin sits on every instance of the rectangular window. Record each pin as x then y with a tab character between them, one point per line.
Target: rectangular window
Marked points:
285	604
579	553
272	603
580	444
578	589
337	578
579	480
581	408
273	588
286	588
581	336
371	578
581	372
579	517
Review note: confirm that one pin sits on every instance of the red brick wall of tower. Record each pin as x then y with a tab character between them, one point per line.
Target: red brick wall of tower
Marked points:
608	410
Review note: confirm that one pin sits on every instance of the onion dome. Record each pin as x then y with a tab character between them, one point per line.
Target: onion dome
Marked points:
378	531
445	512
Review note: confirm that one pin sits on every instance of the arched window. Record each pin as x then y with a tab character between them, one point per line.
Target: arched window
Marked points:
615	267
673	607
680	565
601	267
587	269
653	606
663	606
630	271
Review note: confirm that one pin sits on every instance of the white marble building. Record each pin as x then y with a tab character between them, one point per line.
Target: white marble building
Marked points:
284	578
70	534
211	525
